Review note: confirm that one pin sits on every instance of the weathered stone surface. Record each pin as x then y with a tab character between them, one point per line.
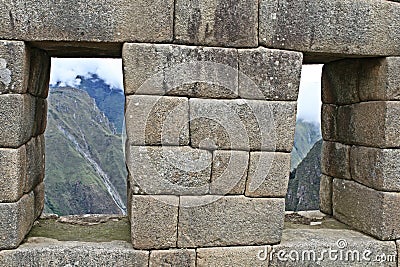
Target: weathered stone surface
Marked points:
232	256
242	124
229	172
39	76
35	157
39	199
331	247
335	160
16	221
156	120
14	67
12	173
92	21
376	168
170	170
173	257
229	221
180	70
325	194
268	174
16	119
217	23
40	123
331	28
154	221
373	212
269	74
328	122
50	252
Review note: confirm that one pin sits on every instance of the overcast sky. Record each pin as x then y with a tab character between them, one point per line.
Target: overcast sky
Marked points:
65	71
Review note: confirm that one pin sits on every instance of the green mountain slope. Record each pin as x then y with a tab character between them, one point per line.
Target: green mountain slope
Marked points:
85	169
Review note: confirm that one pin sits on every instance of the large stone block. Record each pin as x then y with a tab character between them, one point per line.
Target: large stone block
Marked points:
376	168
91	21
328	122
14	67
180	70
156	120
242	124
232	256
268	174
373	212
12	173
269	74
16	221
229	221
170	170
229	172
16	119
173	257
325	194
329	29
49	252
335	160
39	75
154	221
35	157
217	23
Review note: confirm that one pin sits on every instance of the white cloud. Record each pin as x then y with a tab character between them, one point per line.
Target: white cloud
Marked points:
65	70
309	102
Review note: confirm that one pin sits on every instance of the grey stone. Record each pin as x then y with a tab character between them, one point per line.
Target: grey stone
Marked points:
335	160
89	21
16	119
229	172
217	23
232	256
170	170
39	126
331	29
173	257
328	122
376	168
14	67
268	174
39	199
12	173
35	157
242	124
39	75
16	221
180	70
154	221
373	212
229	221
156	120
325	194
41	251
269	74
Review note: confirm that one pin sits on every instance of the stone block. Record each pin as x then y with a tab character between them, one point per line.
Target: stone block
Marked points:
154	221
39	76
217	23
42	251
180	70
89	21
269	74
242	124
173	257
12	173
14	67
16	119
268	174
376	168
335	160
332	29
16	221
169	170
328	122
39	193
373	212
229	172
325	194
35	157
156	120
39	126
232	256
229	221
